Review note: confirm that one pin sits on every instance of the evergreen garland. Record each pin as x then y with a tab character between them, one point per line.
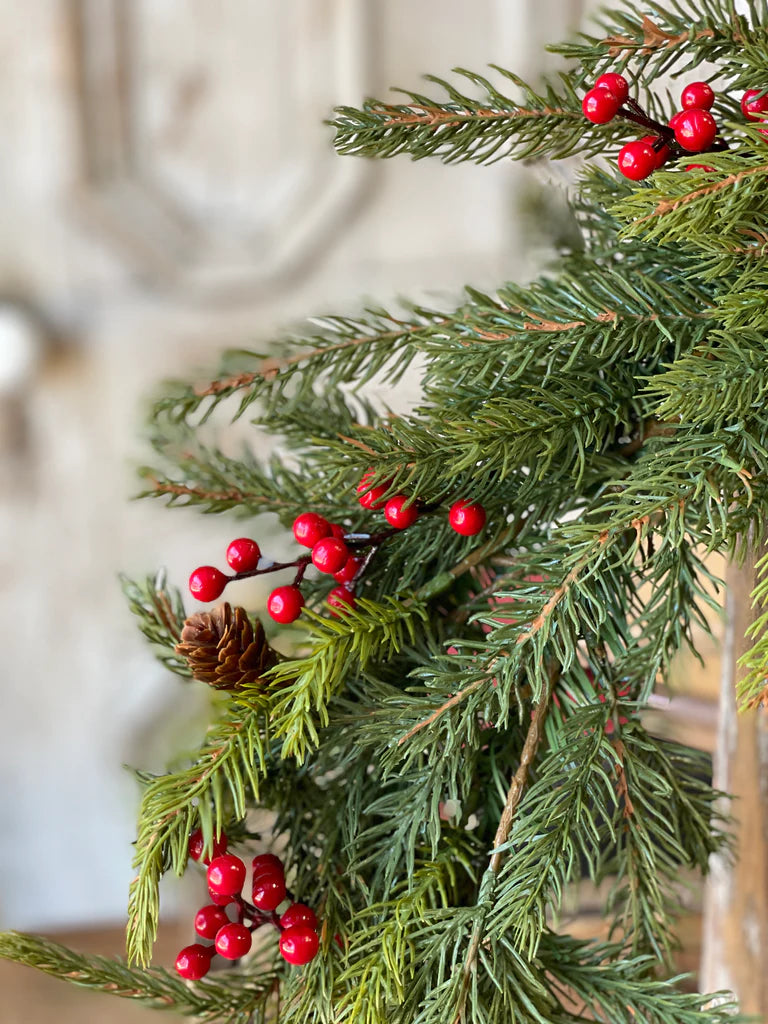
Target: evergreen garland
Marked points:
444	759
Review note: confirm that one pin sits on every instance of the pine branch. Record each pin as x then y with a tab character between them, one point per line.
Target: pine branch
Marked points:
225	771
229	1001
161	617
752	689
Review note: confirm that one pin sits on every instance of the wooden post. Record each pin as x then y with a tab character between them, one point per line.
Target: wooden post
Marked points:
735	929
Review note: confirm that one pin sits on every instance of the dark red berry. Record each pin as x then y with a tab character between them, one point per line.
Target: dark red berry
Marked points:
698	95
338	531
285	604
268	891
309	528
662	152
467	518
330	555
349	570
341	597
267	864
298	913
637	160
695	130
194	961
207	583
233	941
615	83
226	875
196	845
600	106
698	167
753	105
243	554
299	944
398	515
209	919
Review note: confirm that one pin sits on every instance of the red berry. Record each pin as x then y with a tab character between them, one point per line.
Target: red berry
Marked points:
196	845
299	913
341	597
309	528
208	920
243	554
372	498
268	891
662	153
233	941
285	604
398	515
698	95
330	555
695	130
615	83
207	583
194	961
299	944
267	864
221	899
637	160
600	106
753	104
675	118
338	531
226	875
348	572
698	167
467	518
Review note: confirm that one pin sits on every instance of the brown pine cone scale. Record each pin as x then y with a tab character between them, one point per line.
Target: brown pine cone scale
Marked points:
224	648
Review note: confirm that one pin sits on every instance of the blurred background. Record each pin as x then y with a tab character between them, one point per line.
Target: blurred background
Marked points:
169	190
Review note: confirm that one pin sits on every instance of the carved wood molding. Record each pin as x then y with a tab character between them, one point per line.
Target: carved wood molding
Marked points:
149	197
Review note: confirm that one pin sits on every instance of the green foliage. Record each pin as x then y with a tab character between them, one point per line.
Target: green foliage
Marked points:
448	758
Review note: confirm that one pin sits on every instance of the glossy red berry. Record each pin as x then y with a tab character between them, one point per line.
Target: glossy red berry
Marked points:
285	603
330	555
637	160
338	531
698	95
600	106
243	554
309	528
695	130
348	572
615	83
267	864
194	961
341	597
268	891
209	919
698	167
207	583
221	899
662	152
753	105
373	498
467	518
196	846
298	913
226	875
233	941
299	944
675	118
398	514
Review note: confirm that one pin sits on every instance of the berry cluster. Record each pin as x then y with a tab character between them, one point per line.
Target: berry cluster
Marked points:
691	130
465	517
333	550
231	939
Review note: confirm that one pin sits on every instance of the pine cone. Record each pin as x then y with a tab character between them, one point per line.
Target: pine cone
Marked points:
224	648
